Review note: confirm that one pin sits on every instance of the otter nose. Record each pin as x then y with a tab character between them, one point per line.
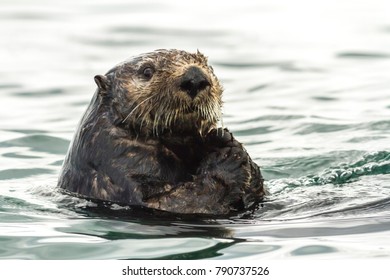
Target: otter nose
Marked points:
193	81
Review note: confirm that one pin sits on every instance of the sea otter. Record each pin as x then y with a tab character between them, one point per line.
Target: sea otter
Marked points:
149	138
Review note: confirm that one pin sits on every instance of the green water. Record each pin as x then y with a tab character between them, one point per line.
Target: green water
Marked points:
307	90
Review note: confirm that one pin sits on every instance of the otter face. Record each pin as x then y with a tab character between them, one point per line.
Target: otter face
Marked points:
167	91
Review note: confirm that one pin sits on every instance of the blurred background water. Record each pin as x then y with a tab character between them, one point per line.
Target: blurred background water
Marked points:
307	90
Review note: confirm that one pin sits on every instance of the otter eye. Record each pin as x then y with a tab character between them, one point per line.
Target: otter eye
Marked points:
148	72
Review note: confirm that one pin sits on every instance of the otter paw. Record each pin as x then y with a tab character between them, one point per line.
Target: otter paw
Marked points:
228	165
220	138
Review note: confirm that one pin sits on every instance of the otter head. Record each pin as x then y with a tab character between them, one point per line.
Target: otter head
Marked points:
166	91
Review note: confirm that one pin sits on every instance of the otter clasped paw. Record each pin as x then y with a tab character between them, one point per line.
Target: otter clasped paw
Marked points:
227	166
221	137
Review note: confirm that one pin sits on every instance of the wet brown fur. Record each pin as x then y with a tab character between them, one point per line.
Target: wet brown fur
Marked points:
147	142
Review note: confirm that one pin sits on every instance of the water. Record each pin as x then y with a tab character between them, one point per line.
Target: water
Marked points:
307	90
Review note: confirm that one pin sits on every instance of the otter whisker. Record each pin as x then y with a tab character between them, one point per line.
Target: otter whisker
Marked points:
172	118
144	114
156	123
135	108
175	115
168	118
156	109
221	120
203	111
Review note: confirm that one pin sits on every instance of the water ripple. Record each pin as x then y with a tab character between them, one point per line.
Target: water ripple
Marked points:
282	64
7	174
39	143
321	128
372	164
345	189
40	93
174	32
364	55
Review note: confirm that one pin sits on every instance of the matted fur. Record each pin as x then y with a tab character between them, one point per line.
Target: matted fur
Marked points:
145	141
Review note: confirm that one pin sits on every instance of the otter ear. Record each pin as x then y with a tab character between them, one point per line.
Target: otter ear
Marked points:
102	82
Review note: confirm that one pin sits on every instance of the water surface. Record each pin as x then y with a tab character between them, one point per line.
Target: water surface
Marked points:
307	90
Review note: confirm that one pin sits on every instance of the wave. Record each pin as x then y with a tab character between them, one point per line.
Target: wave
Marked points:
371	164
356	188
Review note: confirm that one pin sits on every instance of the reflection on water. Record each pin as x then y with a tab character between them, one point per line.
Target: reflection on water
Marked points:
306	90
